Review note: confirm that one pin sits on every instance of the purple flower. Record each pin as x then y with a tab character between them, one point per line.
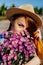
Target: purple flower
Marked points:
25	52
12	51
22	39
6	44
20	42
9	63
0	48
15	57
26	57
14	36
17	46
20	48
4	58
27	33
10	46
11	56
29	48
30	43
14	44
20	62
30	51
31	54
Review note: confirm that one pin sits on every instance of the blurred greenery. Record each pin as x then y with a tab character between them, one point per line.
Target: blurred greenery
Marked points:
12	5
38	10
3	9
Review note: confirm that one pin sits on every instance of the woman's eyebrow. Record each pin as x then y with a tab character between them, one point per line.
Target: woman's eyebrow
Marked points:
20	23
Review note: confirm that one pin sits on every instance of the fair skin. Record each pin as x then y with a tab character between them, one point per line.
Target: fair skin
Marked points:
19	25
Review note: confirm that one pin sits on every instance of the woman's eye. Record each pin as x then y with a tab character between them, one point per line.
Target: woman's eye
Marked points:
21	25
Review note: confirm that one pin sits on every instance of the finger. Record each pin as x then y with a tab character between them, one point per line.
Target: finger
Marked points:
2	64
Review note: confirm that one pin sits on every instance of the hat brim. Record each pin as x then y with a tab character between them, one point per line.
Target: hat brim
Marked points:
13	11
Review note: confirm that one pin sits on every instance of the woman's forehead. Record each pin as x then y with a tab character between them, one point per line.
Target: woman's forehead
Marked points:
20	16
25	18
20	19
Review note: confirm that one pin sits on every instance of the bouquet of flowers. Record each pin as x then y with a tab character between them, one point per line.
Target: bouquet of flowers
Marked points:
16	49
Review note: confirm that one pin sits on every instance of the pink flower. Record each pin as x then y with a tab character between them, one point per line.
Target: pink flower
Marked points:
22	39
4	57
9	63
12	51
25	52
31	54
20	48
0	48
16	41
6	44
14	36
20	42
20	62
26	57
10	56
15	57
29	48
26	39
10	46
14	44
30	51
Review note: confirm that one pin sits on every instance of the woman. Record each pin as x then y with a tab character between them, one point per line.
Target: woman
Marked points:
22	19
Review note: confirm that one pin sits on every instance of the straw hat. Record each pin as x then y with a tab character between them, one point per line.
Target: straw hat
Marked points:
25	9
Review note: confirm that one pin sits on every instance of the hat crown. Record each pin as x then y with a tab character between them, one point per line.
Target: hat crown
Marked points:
27	7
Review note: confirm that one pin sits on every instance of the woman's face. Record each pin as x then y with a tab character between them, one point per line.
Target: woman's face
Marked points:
20	24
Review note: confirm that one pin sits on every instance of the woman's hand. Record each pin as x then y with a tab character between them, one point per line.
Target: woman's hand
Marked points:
38	33
34	61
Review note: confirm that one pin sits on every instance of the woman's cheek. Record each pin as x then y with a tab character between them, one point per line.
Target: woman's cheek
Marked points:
19	29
